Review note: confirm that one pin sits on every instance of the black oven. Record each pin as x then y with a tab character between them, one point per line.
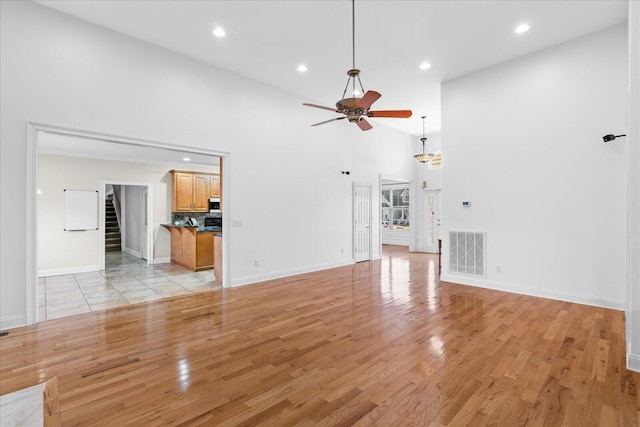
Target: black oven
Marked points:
213	221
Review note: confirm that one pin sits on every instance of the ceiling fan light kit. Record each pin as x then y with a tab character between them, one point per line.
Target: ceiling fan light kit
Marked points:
356	109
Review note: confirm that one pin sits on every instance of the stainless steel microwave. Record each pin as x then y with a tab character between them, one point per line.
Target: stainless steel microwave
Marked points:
214	204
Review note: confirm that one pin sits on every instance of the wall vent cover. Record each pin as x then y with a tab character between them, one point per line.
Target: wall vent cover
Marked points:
467	252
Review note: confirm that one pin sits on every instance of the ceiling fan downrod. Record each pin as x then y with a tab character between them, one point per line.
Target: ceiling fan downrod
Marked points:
353	73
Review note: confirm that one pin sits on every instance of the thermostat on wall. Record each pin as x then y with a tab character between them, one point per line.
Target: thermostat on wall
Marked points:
466	204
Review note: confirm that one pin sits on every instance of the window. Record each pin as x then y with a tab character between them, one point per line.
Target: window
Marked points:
395	208
436	162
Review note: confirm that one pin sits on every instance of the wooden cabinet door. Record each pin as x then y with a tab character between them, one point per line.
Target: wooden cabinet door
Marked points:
204	250
201	193
182	192
215	186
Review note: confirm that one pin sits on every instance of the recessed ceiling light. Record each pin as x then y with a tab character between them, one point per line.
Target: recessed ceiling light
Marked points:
219	32
522	28
425	66
302	68
186	159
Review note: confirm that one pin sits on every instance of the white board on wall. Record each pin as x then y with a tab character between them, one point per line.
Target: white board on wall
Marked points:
80	210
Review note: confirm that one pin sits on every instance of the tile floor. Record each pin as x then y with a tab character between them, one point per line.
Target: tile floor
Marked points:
125	280
23	407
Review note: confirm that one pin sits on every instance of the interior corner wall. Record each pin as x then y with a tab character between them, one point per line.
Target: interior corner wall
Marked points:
633	191
523	142
285	184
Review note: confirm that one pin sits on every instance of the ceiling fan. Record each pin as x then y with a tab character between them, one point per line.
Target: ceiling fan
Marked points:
355	109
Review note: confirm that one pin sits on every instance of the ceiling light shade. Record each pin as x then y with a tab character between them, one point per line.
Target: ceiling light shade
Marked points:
302	68
522	28
423	156
425	66
219	32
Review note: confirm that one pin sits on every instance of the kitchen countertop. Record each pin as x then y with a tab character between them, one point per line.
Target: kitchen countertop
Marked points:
199	229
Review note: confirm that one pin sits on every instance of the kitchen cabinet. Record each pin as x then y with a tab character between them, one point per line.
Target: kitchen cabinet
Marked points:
217	257
191	191
191	248
214	186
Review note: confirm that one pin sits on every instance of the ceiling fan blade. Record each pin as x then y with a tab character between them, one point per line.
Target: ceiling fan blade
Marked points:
363	124
401	114
327	121
368	99
321	107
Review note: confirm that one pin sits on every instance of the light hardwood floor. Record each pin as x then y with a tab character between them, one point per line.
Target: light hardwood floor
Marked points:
377	343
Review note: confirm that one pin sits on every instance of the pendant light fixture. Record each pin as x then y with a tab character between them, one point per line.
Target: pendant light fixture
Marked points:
424	157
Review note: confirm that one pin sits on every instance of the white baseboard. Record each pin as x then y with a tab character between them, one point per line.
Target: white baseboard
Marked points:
132	252
161	260
68	270
11	322
280	274
633	362
422	249
536	292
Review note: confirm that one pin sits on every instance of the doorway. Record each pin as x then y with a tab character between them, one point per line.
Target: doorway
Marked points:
100	145
132	205
396	212
433	209
362	222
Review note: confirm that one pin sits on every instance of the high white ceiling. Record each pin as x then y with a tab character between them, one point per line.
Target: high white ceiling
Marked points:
267	40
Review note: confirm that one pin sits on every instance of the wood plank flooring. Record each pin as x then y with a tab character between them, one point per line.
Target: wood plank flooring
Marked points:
377	343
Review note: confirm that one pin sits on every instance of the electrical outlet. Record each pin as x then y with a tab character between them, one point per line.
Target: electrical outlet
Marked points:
498	268
256	262
236	223
342	251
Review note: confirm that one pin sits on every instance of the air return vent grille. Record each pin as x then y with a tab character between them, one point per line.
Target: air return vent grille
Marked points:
467	252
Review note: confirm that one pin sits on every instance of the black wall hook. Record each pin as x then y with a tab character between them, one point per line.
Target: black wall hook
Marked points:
611	137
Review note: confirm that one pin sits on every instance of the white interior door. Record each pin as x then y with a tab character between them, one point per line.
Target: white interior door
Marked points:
433	220
362	222
145	224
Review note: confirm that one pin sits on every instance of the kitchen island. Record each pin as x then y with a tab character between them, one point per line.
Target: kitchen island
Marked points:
191	246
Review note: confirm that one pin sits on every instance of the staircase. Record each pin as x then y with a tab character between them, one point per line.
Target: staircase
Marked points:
112	230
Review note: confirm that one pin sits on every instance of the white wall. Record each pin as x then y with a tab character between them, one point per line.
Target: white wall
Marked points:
285	181
633	190
523	142
133	219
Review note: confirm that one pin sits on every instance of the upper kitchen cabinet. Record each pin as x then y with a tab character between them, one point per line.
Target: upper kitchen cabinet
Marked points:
214	186
191	191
